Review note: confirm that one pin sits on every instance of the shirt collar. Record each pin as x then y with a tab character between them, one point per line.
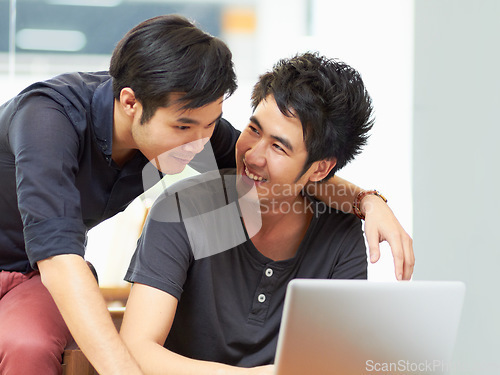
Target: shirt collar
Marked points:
102	116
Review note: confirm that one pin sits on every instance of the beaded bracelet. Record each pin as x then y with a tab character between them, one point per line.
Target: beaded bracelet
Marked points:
357	201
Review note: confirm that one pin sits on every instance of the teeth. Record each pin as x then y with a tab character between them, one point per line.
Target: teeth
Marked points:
252	176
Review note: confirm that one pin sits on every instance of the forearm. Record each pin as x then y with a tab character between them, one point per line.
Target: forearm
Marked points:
76	294
154	359
146	325
340	194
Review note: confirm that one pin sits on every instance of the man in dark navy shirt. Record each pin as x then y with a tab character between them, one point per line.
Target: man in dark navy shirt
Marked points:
72	151
208	290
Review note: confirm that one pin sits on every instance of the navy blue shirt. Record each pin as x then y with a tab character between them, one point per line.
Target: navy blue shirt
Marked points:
231	302
57	176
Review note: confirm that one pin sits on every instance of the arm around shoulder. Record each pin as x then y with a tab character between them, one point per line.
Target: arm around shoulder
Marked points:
380	222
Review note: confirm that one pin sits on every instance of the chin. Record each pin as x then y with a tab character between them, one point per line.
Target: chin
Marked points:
168	165
171	169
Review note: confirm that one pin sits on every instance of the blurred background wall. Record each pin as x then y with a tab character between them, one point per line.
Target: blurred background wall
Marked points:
455	165
431	67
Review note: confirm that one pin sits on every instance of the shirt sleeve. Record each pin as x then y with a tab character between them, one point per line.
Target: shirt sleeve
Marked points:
163	254
45	146
352	261
222	144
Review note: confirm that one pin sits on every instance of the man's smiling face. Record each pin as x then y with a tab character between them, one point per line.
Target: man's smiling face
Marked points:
271	153
173	136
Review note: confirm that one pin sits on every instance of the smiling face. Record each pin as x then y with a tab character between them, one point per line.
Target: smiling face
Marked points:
173	136
271	154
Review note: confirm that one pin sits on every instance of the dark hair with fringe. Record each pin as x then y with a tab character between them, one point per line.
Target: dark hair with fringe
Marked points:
167	54
330	100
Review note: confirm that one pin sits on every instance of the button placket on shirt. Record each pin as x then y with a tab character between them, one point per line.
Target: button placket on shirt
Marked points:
263	295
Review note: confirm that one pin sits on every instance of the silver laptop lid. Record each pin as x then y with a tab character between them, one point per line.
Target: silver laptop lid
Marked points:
361	327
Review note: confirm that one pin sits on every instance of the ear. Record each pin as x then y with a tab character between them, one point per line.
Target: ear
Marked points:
321	169
128	101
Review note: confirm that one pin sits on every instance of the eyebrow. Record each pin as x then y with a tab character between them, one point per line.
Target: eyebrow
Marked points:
280	139
189	120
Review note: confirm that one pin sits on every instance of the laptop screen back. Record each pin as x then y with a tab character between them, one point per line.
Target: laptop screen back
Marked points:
361	327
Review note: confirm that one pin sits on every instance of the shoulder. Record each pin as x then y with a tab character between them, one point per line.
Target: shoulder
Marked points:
68	85
71	90
335	223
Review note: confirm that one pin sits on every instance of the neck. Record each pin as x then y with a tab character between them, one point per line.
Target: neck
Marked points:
277	230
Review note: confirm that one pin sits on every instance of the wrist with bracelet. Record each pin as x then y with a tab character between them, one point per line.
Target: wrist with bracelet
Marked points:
356	205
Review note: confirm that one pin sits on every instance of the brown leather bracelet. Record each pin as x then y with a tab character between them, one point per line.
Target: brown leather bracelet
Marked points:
357	201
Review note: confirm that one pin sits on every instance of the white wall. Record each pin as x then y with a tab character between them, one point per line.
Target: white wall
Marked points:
376	38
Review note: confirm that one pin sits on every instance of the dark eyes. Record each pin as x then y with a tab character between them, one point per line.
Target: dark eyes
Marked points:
184	127
253	129
278	147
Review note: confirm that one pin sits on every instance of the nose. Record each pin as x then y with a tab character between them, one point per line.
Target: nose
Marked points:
195	146
256	155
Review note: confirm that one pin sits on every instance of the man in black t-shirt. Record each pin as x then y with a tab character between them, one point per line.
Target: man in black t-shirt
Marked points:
217	252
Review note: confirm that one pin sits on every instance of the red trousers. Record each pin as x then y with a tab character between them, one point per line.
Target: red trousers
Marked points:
33	334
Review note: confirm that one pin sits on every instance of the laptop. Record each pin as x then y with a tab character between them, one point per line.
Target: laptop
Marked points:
362	327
